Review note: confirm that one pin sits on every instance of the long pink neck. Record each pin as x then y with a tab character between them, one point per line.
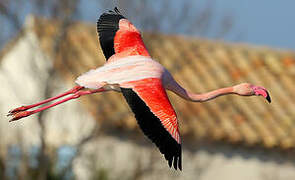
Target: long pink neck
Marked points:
177	89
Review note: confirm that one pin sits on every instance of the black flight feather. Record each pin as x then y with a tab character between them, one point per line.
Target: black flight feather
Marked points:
153	129
107	26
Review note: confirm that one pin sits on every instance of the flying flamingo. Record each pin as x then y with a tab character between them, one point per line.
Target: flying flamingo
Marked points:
142	81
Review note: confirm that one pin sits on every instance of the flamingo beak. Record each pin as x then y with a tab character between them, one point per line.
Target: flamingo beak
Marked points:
261	91
268	97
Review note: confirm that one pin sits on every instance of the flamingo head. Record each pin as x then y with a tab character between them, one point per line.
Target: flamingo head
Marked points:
246	89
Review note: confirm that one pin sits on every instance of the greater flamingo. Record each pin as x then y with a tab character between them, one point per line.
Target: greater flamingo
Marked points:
142	81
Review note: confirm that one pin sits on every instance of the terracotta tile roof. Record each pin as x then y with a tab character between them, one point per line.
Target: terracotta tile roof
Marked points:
199	65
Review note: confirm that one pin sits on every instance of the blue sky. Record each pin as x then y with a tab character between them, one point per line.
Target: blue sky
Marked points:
259	22
265	22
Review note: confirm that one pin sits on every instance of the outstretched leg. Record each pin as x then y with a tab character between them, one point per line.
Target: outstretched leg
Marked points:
23	108
76	92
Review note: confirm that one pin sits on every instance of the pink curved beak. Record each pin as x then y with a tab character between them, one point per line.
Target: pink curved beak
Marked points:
261	91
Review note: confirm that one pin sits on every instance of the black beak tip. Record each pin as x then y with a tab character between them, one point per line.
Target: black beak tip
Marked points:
268	97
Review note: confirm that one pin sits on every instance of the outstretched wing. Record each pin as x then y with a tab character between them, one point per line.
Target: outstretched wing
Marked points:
148	100
119	36
156	117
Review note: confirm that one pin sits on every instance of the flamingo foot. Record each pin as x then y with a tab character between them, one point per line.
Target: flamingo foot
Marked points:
16	115
19	109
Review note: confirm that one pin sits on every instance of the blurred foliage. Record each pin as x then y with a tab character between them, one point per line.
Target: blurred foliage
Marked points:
18	164
101	174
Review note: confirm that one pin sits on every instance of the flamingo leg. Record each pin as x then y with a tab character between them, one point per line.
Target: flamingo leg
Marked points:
76	93
23	108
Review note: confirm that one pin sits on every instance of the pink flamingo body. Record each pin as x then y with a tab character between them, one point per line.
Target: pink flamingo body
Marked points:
131	70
